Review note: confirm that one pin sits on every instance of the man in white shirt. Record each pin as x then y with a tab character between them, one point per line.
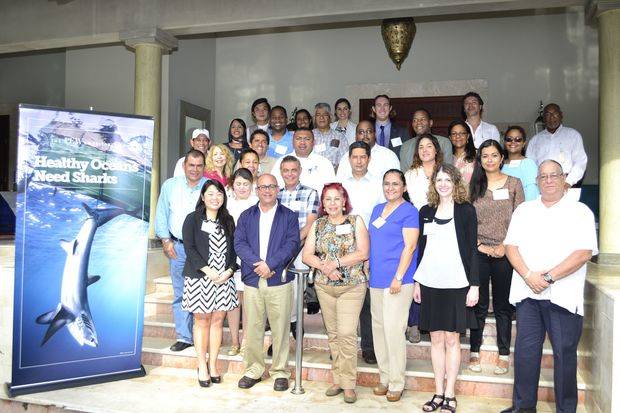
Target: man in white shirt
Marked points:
381	159
473	107
327	141
365	191
549	242
560	143
201	142
316	170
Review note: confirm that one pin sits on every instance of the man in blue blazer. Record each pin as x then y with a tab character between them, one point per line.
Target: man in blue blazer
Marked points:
266	240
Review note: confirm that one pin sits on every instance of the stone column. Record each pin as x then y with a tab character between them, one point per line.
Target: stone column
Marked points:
149	45
607	13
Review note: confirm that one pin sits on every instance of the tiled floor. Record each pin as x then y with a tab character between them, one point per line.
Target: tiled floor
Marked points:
176	391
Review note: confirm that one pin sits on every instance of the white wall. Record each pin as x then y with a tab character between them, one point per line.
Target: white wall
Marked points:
192	79
523	59
33	78
101	77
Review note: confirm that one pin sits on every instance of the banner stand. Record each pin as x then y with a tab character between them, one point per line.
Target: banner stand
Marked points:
77	382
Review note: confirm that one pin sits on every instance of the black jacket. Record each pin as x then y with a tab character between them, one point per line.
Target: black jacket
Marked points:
196	243
397	131
466	224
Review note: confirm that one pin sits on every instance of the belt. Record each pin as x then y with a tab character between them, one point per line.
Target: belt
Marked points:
175	239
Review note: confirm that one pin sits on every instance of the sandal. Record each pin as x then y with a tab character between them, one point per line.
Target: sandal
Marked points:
431	406
449	404
474	364
501	367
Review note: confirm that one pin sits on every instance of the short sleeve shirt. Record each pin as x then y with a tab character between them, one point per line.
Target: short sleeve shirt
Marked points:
387	243
545	236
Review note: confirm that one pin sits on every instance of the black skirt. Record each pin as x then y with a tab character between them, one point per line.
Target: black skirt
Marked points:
445	310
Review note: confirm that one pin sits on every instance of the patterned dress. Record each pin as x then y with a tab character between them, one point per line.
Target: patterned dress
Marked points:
201	295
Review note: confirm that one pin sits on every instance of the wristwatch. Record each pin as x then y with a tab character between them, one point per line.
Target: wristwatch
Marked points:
547	277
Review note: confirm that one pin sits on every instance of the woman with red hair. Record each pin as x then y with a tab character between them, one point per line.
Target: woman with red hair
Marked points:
337	246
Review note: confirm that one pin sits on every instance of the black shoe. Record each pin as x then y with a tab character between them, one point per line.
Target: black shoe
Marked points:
313	308
280	384
369	357
294	330
180	346
216	379
247	382
512	409
203	383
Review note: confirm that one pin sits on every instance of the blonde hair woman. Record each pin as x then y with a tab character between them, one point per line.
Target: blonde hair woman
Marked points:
219	164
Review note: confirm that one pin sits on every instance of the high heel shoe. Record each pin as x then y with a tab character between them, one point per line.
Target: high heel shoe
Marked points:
203	383
215	379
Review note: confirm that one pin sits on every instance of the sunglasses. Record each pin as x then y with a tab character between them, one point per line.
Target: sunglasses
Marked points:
510	140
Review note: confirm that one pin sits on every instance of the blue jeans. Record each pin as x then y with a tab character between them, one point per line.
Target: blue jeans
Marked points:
183	320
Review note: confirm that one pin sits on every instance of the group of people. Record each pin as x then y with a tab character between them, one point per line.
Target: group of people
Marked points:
404	234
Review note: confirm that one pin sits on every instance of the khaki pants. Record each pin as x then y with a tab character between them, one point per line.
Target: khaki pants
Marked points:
341	306
275	304
389	323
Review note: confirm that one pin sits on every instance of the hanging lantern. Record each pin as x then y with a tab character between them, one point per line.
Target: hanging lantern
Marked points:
398	36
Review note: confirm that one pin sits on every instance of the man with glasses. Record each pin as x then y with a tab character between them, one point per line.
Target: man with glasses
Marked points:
549	242
560	143
316	170
381	159
473	107
266	239
327	141
422	123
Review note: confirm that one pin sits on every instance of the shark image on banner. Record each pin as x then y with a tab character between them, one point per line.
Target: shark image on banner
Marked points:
73	310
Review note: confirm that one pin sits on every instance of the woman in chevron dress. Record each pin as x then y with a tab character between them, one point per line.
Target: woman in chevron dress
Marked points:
209	289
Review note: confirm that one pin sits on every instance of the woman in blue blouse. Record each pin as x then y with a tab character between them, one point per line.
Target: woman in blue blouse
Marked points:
517	164
394	234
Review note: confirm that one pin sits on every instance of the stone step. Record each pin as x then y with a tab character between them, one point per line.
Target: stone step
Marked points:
163	327
166	389
317	367
160	304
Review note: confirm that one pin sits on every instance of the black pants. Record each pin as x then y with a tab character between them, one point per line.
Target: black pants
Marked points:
499	272
367	343
534	319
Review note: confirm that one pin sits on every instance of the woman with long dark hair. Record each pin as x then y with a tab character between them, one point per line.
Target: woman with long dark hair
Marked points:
237	137
209	289
463	148
495	196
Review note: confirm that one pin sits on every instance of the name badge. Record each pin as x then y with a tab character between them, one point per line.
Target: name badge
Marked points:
379	222
295	206
319	148
561	157
430	228
515	162
397	142
281	149
335	143
343	229
209	227
500	194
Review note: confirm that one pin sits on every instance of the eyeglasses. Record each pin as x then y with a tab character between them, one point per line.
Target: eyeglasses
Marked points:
508	139
271	187
552	177
459	134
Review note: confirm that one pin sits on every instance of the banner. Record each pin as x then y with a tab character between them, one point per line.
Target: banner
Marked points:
81	239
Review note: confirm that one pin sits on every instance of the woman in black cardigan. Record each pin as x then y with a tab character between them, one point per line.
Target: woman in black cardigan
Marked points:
209	289
447	278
